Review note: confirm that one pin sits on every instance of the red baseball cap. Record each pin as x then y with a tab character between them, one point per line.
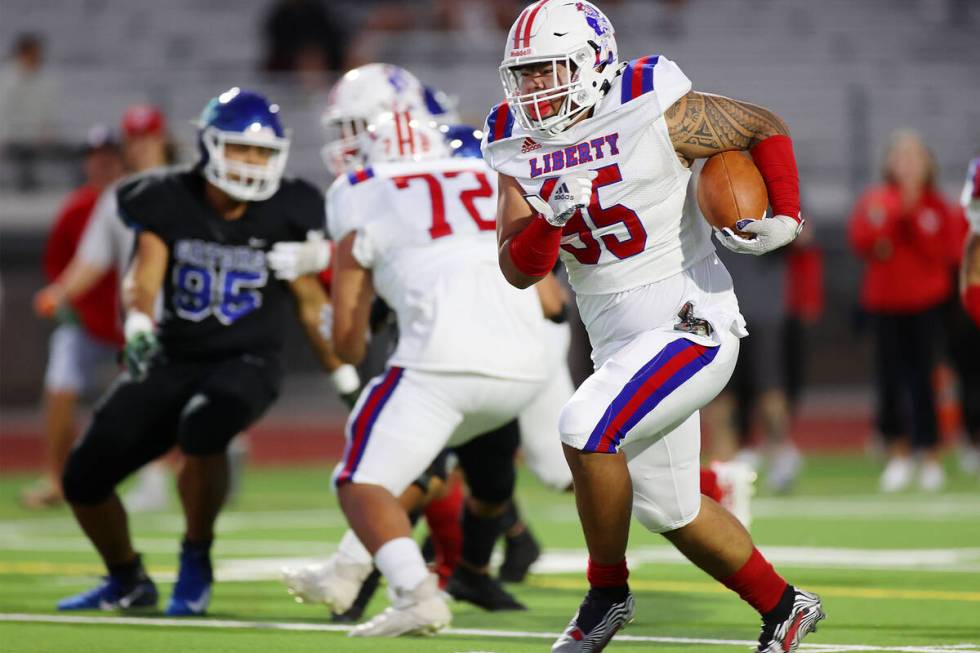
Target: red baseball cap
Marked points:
143	119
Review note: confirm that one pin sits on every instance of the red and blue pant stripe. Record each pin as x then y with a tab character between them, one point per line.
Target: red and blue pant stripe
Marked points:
668	370
363	423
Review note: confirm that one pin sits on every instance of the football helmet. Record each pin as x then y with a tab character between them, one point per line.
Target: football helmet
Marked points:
400	136
245	118
355	101
441	106
579	42
463	140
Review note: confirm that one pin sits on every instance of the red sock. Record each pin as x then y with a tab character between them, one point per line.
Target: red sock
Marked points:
757	583
709	484
443	518
614	575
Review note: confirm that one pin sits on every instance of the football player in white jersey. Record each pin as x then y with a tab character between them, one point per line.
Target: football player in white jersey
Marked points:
467	360
593	155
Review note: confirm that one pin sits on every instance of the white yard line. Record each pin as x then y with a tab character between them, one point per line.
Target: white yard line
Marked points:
464	632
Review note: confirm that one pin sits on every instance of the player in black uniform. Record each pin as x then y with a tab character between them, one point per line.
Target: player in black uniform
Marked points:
211	366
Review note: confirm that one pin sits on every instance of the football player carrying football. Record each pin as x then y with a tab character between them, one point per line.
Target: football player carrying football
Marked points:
593	156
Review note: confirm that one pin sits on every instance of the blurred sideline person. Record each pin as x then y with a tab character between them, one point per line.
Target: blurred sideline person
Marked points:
756	392
965	353
210	366
902	230
87	335
593	157
106	245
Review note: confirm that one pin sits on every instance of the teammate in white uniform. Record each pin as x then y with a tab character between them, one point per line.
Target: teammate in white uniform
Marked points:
466	363
593	157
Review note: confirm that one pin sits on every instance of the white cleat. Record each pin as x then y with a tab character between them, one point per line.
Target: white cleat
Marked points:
785	467
420	611
152	490
334	583
737	482
897	475
932	477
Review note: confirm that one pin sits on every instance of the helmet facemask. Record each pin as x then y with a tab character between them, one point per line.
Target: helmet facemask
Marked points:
342	151
585	85
246	182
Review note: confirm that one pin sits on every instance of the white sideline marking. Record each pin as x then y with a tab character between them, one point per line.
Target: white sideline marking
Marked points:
463	632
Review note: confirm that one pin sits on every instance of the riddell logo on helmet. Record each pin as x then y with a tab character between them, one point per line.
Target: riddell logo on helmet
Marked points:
523	52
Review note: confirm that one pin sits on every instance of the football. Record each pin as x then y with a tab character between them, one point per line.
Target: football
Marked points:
730	189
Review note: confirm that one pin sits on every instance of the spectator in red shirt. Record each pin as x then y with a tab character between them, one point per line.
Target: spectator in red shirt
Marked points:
902	229
87	333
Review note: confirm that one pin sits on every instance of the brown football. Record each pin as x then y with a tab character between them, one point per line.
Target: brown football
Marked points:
730	189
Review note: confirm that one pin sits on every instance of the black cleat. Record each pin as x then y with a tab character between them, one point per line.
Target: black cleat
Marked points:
783	635
520	552
356	610
481	590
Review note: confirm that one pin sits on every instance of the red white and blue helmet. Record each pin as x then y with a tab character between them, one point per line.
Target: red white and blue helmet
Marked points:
572	35
401	136
356	101
246	118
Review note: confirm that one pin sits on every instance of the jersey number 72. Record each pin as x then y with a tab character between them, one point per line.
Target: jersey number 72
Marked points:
440	227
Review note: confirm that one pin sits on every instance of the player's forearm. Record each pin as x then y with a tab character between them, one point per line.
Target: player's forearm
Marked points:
322	347
971	262
512	272
78	278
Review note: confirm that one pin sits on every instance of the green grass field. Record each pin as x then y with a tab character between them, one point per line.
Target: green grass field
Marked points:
897	573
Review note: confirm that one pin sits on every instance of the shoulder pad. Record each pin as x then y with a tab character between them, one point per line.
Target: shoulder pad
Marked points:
638	77
500	123
354	178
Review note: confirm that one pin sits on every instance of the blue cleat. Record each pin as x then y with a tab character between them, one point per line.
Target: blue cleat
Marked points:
113	595
192	593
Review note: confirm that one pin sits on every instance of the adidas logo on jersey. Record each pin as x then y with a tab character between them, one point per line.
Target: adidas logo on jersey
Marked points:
529	145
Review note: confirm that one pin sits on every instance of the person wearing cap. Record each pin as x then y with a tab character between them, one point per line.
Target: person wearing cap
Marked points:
88	333
105	247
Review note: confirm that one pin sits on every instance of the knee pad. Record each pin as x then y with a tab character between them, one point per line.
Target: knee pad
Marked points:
209	422
667	514
85	483
576	421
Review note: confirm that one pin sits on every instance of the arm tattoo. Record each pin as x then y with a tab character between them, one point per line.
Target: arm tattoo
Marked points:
701	124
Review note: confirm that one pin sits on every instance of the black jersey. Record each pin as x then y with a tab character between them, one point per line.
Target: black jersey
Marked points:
220	298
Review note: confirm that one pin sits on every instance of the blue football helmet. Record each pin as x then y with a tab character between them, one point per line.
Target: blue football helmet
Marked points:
242	118
464	140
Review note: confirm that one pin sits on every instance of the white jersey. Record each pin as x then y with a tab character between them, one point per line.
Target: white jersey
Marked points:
107	242
427	232
635	230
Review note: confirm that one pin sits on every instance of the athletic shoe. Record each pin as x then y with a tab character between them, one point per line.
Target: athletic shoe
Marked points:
192	592
969	459
595	623
785	636
737	482
356	611
784	468
113	595
335	583
152	490
932	476
42	493
897	475
481	590
419	611
520	552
